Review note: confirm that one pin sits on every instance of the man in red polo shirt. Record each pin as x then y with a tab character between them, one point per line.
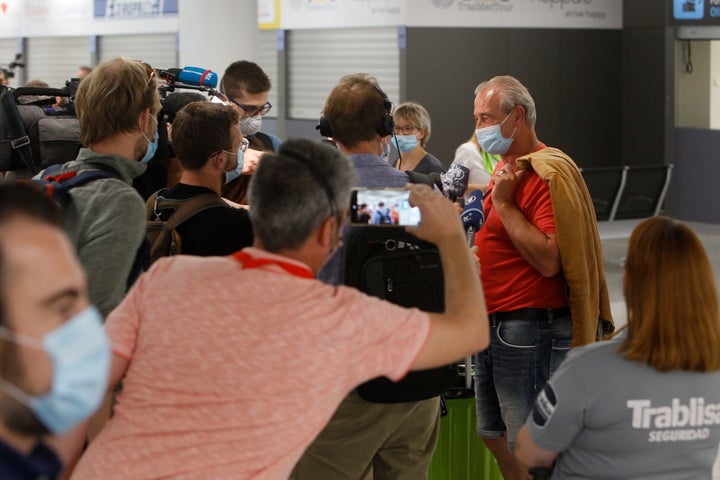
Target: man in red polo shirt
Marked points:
541	260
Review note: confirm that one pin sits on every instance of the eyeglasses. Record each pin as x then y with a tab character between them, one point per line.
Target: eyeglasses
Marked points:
407	130
252	110
243	147
149	70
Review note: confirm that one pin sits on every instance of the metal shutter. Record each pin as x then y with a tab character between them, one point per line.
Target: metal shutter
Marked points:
267	58
318	58
158	50
56	59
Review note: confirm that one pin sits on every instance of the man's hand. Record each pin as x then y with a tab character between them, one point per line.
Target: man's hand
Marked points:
439	217
250	161
506	182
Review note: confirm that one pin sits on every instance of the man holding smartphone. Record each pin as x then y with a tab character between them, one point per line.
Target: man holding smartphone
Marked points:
393	440
228	395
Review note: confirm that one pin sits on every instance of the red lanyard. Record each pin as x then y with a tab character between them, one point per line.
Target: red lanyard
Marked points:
248	261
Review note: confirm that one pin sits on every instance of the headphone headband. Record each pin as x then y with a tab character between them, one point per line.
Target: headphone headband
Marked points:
315	172
384	129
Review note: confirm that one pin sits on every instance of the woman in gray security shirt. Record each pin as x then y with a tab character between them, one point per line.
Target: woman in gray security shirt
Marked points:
645	404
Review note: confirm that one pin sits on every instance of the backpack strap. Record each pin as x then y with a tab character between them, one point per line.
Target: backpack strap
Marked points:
182	210
19	139
57	186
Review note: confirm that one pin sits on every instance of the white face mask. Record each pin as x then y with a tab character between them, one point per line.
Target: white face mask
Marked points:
251	125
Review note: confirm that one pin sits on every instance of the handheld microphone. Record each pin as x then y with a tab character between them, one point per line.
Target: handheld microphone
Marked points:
472	215
196	76
473	218
455	181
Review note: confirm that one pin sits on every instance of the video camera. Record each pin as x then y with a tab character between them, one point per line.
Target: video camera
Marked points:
34	132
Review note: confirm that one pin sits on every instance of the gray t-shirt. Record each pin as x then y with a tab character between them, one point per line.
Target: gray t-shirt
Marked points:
614	419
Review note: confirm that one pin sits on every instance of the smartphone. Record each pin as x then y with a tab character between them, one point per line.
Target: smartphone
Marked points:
382	206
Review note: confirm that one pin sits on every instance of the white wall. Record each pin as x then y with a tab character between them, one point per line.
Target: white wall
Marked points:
692	98
215	36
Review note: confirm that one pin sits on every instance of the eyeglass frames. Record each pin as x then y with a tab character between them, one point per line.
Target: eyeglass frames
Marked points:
407	130
252	110
243	147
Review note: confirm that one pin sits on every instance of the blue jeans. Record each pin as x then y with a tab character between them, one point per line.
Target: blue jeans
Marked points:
523	354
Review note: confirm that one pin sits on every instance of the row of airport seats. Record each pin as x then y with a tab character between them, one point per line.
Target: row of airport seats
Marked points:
625	192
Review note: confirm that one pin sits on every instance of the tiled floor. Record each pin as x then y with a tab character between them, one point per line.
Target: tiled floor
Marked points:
614	237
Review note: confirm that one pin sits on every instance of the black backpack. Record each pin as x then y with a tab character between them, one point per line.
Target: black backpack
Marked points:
389	263
162	235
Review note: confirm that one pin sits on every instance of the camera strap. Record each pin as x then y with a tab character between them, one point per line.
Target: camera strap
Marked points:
19	140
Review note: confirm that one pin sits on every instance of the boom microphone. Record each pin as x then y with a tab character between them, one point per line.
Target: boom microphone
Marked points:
197	76
455	181
472	215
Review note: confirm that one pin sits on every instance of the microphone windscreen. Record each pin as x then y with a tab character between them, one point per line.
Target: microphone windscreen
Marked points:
198	76
472	215
455	180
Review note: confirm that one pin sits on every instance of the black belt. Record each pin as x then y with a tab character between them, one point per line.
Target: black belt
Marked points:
531	314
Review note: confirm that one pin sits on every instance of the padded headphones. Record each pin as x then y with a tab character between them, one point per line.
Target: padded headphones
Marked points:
384	129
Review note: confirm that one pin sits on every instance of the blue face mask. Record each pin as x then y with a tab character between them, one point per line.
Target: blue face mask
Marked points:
406	142
152	145
491	139
80	354
233	174
151	149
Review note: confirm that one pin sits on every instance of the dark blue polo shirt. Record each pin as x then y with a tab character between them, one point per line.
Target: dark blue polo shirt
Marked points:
41	464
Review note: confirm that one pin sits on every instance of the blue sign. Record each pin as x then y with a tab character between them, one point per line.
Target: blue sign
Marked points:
688	9
134	8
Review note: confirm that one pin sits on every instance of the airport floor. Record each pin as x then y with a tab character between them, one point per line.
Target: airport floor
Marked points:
614	237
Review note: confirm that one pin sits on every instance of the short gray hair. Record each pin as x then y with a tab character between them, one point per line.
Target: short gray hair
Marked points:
295	190
512	93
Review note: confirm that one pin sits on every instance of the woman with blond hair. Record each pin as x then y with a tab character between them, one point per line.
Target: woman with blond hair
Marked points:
412	132
645	404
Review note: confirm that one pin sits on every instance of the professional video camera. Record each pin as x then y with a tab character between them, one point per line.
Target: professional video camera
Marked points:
35	133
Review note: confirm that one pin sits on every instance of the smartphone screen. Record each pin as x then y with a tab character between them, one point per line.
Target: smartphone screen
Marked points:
382	206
